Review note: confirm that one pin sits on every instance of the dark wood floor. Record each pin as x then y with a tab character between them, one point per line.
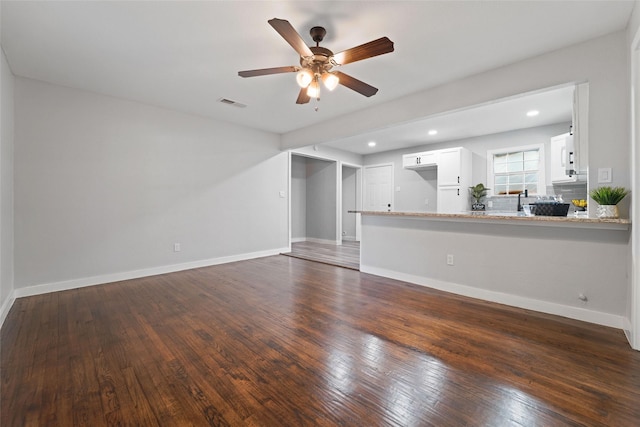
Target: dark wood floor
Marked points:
346	255
280	341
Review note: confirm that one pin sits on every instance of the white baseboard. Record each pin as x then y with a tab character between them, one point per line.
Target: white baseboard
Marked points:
116	277
349	238
6	306
577	313
314	240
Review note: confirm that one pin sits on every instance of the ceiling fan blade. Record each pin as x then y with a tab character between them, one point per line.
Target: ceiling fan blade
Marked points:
355	84
284	28
267	71
303	98
368	50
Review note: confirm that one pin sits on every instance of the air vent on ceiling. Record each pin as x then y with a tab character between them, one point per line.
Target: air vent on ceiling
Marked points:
231	102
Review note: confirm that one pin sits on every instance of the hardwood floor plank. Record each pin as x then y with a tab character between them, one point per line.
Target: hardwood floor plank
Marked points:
284	341
346	255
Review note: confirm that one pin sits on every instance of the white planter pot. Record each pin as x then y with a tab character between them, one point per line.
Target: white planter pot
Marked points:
607	211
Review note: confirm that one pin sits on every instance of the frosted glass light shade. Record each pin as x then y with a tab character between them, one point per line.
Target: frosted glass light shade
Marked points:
304	77
313	91
330	80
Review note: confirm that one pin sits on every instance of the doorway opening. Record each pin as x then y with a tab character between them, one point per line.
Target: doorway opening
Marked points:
324	197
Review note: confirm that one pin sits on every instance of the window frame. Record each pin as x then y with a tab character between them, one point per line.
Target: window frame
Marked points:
542	183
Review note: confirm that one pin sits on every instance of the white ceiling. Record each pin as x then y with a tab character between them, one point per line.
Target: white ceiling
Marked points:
554	106
186	55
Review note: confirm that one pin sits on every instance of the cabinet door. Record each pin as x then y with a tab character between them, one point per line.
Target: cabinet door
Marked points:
429	159
559	158
410	160
451	200
449	164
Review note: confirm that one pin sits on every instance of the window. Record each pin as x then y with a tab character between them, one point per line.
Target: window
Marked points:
513	170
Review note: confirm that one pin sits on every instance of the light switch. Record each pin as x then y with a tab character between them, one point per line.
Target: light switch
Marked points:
282	194
604	175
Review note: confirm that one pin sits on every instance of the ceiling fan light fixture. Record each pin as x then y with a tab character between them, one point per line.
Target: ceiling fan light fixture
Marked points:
304	77
330	80
313	91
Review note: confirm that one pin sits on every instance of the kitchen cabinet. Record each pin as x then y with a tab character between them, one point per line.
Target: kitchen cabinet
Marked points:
450	167
564	163
418	161
452	199
453	175
454	180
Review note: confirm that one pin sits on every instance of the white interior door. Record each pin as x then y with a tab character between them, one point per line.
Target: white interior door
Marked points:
378	187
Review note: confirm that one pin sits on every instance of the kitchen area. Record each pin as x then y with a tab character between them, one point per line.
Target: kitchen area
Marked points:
569	263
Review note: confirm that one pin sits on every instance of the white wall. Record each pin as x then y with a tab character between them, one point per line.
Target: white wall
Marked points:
104	186
6	188
543	268
298	198
329	153
322	203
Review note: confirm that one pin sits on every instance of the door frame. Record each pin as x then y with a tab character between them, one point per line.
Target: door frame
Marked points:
338	192
359	197
633	333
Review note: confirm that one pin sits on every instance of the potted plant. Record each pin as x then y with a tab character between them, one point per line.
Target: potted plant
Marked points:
608	199
477	192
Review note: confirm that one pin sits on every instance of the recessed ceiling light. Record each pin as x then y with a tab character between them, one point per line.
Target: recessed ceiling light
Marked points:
371	144
433	132
532	113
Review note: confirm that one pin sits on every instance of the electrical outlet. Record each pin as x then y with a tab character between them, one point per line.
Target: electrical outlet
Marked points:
426	201
176	247
449	259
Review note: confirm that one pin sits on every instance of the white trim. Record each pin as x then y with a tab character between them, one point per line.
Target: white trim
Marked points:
632	330
577	313
127	275
358	202
6	306
338	212
542	182
289	218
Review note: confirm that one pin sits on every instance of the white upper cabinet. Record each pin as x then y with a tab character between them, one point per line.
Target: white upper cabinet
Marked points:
418	161
564	160
453	175
450	167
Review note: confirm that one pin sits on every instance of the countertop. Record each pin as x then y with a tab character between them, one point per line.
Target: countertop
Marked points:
512	218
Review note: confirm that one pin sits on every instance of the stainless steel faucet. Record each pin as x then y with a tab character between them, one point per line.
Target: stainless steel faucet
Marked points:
526	194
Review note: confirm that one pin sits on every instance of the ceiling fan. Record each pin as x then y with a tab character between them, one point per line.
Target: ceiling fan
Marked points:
316	63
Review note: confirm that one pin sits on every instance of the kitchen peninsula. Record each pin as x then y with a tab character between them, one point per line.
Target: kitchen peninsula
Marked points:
573	267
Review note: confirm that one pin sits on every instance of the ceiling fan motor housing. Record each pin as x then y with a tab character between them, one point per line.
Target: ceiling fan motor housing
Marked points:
319	61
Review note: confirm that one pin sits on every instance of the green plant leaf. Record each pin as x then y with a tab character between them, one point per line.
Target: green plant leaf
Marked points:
608	195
